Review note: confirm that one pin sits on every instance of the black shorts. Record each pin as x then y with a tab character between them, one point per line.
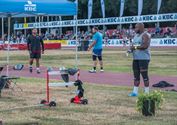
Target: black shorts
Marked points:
94	57
97	53
35	55
140	64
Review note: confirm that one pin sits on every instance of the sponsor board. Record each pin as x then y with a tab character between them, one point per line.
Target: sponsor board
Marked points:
99	21
117	42
120	42
63	42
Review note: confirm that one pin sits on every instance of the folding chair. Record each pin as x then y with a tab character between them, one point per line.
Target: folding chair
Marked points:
1	85
1	69
8	82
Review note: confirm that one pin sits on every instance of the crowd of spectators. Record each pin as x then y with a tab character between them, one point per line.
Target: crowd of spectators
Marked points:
114	34
156	32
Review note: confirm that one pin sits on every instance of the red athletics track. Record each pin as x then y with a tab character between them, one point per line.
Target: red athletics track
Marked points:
119	79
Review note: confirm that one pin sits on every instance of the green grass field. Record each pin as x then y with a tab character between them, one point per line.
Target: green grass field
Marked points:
164	62
108	105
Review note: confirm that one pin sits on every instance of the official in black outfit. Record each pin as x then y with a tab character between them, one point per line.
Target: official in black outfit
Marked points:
35	46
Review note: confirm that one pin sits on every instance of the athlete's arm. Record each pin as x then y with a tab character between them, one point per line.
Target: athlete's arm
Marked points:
42	44
92	44
28	44
146	42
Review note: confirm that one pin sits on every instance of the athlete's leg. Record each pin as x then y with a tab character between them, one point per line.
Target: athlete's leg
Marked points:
31	62
144	64
136	73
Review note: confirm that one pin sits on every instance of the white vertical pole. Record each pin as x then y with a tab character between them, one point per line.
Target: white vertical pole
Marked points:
60	28
48	21
8	46
158	8
39	25
25	33
42	18
76	37
3	28
35	19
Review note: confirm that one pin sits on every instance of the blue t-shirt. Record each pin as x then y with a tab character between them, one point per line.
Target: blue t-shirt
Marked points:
98	37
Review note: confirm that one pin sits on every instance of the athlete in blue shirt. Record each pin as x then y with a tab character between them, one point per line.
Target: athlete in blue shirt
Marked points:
97	47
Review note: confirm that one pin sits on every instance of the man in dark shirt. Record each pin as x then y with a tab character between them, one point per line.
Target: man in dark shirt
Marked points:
35	46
